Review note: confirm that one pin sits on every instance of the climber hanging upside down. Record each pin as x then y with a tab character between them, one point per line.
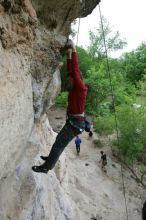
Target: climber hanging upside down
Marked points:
75	123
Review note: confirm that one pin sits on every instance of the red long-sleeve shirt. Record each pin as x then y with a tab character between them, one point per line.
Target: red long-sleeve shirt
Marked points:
77	96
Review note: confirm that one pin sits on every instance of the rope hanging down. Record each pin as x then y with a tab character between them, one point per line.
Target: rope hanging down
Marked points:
113	101
78	31
81	3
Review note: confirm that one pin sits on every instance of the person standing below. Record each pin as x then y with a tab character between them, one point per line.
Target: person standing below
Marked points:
90	133
77	143
75	122
103	160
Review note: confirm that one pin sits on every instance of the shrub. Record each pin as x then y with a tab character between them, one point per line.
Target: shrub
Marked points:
104	124
131	126
61	99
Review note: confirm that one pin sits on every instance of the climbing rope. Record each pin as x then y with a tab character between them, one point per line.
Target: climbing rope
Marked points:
113	102
113	99
78	31
81	2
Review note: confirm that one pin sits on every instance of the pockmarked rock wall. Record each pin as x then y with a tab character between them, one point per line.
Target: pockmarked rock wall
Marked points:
32	34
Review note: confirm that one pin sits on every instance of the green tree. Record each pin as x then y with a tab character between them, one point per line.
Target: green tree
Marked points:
85	61
131	125
104	87
135	64
113	41
98	89
61	99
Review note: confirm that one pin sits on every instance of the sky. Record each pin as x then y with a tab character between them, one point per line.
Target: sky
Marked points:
126	16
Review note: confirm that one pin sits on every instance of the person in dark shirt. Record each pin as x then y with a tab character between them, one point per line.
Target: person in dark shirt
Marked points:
103	160
75	123
90	133
77	143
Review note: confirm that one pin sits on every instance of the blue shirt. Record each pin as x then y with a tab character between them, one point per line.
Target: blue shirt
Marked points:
77	141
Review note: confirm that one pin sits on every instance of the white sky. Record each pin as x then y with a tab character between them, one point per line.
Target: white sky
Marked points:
126	16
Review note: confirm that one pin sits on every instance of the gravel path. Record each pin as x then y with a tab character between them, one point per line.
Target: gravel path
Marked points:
98	195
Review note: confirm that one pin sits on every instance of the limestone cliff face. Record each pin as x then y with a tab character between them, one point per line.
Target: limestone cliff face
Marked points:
32	34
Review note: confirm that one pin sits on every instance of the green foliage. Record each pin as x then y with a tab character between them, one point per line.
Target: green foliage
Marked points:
124	94
104	124
61	99
98	88
85	61
141	93
135	64
103	88
112	40
132	127
143	173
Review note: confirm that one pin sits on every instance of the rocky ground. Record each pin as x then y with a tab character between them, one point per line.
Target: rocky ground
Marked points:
96	194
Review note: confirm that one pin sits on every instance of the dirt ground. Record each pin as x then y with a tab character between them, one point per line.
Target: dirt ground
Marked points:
99	195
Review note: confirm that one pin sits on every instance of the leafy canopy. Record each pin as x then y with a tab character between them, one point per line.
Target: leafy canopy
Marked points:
113	41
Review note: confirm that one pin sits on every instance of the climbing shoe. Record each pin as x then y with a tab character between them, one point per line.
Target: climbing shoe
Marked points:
43	157
39	169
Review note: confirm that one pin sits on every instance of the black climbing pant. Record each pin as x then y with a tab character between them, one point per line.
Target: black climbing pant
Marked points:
72	128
